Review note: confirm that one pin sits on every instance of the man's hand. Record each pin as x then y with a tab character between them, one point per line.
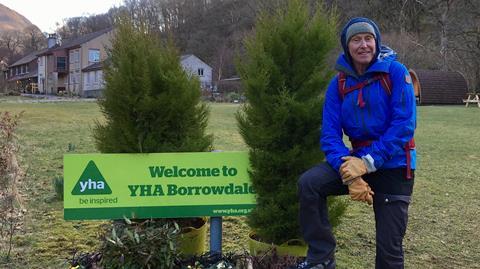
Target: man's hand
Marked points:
360	191
352	168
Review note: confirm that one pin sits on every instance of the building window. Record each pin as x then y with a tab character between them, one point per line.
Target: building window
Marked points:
93	55
26	68
200	72
77	56
61	63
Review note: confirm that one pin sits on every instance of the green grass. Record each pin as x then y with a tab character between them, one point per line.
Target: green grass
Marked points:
443	229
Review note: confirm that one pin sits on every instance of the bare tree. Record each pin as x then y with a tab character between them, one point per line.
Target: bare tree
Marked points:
11	42
33	39
72	28
465	41
443	21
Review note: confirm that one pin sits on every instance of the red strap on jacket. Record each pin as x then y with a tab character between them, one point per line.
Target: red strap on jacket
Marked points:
360	144
408	146
343	90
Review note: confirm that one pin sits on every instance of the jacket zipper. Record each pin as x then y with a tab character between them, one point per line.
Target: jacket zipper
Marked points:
356	110
362	117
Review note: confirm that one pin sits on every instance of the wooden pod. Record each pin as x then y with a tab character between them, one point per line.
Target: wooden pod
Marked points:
438	87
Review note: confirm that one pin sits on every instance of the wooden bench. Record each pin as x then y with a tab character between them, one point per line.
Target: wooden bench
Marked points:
472	98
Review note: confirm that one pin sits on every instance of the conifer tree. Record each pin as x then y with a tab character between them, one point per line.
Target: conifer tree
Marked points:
284	74
150	103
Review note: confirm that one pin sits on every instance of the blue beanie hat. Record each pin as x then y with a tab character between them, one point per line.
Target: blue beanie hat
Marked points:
356	26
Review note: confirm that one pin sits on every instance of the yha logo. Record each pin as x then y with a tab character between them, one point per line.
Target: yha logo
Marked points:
91	182
92	185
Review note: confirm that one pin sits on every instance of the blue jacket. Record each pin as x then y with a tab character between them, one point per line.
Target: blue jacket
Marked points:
388	121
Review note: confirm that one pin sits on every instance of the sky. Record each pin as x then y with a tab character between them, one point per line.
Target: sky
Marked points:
45	13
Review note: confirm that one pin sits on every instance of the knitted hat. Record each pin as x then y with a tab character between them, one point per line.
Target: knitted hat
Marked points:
356	26
359	27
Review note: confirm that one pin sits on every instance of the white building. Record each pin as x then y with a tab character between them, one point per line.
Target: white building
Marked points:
193	65
60	66
93	83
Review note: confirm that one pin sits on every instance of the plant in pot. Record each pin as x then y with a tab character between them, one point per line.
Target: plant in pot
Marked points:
150	104
284	72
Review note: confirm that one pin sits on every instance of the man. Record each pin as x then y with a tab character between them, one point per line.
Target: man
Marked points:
372	101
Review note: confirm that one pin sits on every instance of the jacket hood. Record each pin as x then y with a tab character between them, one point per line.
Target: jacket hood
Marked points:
343	36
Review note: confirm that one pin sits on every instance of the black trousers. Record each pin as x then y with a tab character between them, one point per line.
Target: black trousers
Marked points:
392	197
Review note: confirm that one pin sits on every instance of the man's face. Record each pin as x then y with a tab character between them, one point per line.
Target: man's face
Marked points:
362	48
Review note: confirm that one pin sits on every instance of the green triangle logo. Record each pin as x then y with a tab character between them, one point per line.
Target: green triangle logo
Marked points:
91	182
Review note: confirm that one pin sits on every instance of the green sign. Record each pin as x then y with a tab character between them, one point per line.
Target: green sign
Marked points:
159	185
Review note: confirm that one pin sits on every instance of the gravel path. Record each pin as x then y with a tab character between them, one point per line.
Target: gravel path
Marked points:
36	98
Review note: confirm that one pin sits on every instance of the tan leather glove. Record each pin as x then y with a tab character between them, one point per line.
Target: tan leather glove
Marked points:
353	167
360	191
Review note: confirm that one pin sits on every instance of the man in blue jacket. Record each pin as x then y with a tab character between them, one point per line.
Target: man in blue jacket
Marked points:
372	102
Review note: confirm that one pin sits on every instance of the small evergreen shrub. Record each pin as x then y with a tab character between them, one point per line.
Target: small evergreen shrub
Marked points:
150	104
57	183
71	147
284	73
234	97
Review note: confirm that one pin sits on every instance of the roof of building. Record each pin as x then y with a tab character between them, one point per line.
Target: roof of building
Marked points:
185	56
234	78
83	39
24	76
28	58
71	43
93	67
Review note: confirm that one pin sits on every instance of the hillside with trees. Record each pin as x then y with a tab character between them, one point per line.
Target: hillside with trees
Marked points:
18	36
10	20
436	34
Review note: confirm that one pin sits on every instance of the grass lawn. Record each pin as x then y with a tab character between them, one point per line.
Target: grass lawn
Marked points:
443	229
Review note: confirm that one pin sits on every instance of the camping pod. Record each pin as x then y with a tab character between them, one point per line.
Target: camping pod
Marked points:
434	87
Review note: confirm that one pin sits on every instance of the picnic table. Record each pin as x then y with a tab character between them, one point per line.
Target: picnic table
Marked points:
472	98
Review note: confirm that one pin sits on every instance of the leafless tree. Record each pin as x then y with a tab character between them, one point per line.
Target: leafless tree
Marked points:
33	39
11	43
